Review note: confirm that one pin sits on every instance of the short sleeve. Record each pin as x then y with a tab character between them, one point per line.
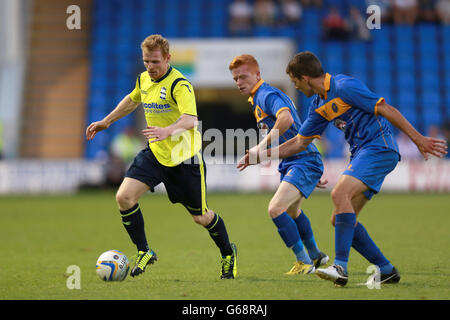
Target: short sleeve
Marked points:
135	95
355	93
184	96
274	104
314	125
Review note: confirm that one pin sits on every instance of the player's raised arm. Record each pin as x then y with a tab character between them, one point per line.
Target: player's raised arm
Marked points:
125	107
426	145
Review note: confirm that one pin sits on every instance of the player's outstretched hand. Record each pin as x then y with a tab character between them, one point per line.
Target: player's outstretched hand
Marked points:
95	127
322	184
251	157
429	145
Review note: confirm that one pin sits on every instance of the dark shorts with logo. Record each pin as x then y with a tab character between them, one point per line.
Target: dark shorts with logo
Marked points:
184	183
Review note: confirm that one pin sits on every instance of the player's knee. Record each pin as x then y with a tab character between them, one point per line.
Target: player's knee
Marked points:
204	219
337	195
274	210
124	200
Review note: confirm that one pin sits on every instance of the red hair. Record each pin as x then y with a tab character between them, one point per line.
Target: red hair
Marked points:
244	59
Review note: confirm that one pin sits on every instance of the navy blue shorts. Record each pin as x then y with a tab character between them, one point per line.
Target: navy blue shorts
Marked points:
184	183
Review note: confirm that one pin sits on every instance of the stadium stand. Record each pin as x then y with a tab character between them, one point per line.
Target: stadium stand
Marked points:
408	64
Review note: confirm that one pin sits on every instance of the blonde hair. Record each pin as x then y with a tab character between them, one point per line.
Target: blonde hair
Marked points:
244	59
155	42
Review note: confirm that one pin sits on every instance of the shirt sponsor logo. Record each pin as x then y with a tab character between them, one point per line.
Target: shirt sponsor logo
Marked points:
156	108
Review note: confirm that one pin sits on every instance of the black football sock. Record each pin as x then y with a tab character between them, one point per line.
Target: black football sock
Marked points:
218	233
134	224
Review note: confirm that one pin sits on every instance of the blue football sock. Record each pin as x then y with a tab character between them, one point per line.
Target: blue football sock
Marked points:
291	237
343	236
364	244
300	253
307	235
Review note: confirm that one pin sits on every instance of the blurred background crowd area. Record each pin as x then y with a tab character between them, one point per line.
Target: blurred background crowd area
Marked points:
55	81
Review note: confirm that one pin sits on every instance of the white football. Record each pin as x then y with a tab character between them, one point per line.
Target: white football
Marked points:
112	265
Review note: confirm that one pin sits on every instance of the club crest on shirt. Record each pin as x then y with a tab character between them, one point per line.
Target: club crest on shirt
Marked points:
340	124
163	93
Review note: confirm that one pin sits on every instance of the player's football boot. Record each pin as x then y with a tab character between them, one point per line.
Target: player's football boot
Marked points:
321	260
229	265
392	277
143	259
334	273
301	268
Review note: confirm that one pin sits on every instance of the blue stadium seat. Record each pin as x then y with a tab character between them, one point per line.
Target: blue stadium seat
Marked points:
447	103
403	33
432	117
382	78
358	63
447	82
404	46
285	31
381	62
412	116
334	60
430	101
262	31
429	64
405	80
446	65
427	32
429	80
383	35
404	61
309	45
361	5
406	100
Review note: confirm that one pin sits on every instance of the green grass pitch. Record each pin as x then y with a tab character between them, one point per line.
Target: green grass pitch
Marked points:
41	236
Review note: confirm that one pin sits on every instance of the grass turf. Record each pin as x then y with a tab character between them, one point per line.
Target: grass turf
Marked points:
41	236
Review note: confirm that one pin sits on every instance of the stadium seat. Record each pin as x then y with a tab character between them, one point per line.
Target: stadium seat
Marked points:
429	80
403	33
431	105
262	31
406	100
429	64
412	116
405	80
382	78
382	35
427	32
432	117
404	61
447	103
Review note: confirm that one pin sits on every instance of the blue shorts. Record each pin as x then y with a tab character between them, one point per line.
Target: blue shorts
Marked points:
303	173
371	165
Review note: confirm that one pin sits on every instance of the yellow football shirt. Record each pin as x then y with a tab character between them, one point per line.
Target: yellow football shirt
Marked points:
164	101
